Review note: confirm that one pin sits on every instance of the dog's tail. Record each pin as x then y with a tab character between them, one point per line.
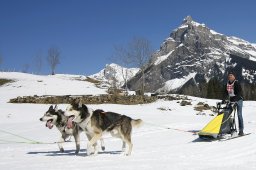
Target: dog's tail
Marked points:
136	123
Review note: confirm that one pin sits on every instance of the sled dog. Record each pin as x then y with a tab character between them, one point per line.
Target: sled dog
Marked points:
55	116
97	122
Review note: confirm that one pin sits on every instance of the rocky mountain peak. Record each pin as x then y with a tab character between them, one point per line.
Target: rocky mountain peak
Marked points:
195	53
114	74
187	20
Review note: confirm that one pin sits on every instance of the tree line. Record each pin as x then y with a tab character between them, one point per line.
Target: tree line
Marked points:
53	59
215	87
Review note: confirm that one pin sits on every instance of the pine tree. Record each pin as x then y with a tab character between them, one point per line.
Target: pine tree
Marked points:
214	89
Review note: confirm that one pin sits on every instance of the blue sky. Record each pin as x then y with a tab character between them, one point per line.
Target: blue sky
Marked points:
85	31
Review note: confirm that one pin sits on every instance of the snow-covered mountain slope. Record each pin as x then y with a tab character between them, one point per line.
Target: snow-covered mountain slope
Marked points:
114	73
166	140
193	48
175	83
242	46
203	34
28	84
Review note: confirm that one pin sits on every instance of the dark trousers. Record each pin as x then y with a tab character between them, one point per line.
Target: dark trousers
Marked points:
240	115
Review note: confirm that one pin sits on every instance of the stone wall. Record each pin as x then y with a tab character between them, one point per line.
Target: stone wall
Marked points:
89	99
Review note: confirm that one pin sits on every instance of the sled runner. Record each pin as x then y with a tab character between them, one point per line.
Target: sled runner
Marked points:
223	124
233	137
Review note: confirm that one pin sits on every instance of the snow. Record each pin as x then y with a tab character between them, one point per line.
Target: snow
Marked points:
111	71
176	83
162	58
183	26
248	76
27	84
235	42
154	146
215	53
253	53
170	39
215	33
198	24
232	47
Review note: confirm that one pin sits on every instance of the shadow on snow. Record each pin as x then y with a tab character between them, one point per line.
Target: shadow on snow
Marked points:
71	153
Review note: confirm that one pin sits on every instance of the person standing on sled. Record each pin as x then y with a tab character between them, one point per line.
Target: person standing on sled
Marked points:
233	91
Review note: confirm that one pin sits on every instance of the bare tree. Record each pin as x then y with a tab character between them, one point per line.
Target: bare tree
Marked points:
25	68
38	62
53	58
113	78
120	56
137	52
141	51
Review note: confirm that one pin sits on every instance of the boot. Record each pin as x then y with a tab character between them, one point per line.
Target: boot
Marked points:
241	133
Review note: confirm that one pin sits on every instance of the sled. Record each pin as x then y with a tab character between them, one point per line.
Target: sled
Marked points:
223	124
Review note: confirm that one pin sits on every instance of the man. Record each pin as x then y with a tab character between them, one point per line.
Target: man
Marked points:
234	92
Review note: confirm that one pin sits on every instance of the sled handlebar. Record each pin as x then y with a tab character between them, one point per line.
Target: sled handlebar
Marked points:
226	104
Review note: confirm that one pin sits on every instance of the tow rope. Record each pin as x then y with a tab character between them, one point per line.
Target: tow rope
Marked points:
31	141
27	140
194	132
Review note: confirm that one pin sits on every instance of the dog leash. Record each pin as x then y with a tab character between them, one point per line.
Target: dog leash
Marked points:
28	141
194	132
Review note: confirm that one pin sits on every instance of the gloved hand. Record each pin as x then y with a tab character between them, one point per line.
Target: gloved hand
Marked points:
223	102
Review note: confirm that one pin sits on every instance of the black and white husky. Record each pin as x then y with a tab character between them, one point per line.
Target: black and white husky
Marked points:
95	123
55	116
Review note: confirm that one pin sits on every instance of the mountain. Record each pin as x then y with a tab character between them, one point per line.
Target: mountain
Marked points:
191	56
167	140
114	74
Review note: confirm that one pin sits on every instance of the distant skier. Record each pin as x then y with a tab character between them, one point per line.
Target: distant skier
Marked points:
233	91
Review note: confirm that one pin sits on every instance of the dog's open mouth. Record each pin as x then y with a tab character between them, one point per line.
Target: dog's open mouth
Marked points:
70	121
49	123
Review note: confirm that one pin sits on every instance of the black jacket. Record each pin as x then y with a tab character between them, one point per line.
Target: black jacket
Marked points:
237	91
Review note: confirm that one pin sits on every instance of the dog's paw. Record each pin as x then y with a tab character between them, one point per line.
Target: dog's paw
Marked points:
126	154
95	153
88	153
89	150
61	150
103	148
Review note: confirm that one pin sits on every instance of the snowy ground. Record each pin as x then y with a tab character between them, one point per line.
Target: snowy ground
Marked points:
155	146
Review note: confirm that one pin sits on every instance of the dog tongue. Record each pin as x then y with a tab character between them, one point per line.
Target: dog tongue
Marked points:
49	124
70	122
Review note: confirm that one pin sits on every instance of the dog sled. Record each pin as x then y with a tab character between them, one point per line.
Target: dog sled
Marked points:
223	125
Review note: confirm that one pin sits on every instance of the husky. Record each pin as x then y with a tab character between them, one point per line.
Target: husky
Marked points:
97	122
56	117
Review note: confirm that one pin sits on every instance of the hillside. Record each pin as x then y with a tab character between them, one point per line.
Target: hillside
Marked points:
166	140
60	84
192	55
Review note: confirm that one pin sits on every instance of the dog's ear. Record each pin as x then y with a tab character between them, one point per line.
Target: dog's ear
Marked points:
51	107
80	105
77	103
56	107
84	111
77	100
85	107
